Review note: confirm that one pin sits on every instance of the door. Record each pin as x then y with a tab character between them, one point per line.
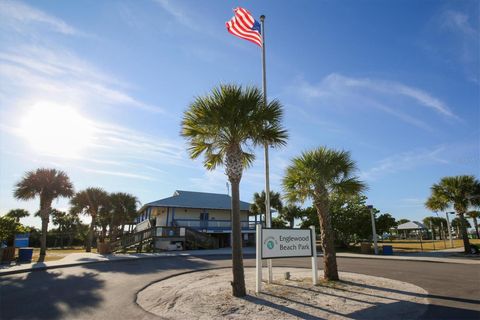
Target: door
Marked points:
204	220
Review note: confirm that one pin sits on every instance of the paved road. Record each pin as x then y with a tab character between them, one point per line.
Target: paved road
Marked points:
108	290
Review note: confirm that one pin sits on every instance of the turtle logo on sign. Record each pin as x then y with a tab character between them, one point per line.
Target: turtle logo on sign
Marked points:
270	242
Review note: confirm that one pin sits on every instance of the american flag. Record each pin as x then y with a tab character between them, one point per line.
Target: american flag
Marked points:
244	26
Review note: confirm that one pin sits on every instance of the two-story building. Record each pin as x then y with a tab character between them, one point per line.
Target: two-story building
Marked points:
208	213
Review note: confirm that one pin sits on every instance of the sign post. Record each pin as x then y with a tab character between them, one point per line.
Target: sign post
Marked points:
258	283
284	243
314	257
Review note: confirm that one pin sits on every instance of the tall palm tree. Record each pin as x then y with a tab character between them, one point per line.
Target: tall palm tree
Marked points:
17	214
474	216
318	174
47	184
89	201
224	126
460	192
258	205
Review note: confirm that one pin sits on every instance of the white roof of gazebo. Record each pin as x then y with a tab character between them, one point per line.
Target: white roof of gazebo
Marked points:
412	225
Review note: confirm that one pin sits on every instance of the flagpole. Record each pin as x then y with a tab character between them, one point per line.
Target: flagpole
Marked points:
267	167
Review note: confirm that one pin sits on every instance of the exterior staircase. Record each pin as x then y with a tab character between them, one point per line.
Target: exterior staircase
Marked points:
192	239
136	239
199	240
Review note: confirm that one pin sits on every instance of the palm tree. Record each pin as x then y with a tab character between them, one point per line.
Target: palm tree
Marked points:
258	205
290	213
17	214
124	210
67	224
474	216
457	223
47	184
318	174
89	201
431	222
460	192
223	126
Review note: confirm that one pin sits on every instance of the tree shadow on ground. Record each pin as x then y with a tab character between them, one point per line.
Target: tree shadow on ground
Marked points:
377	304
382	311
420	295
149	265
279	307
48	295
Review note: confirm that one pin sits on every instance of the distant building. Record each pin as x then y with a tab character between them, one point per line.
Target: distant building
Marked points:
208	213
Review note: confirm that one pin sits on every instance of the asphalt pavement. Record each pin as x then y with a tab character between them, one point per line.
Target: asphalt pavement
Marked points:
107	290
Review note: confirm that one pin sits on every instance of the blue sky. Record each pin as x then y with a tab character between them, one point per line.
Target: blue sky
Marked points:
396	83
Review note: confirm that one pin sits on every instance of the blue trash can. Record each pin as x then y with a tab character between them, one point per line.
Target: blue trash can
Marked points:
25	254
387	250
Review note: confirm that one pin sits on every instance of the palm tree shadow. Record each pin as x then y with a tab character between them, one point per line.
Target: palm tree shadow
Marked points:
150	265
293	312
408	293
47	295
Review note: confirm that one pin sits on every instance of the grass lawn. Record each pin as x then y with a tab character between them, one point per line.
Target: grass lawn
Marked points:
428	245
57	254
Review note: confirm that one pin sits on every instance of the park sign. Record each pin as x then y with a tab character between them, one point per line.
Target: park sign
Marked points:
284	243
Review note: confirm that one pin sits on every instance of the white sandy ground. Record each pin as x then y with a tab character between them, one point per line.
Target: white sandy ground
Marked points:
207	295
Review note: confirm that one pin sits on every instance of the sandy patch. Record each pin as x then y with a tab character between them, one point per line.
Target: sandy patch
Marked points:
207	295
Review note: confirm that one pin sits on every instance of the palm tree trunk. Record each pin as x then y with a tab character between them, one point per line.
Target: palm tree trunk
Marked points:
475	223
463	227
233	170
90	235
330	270
238	284
45	212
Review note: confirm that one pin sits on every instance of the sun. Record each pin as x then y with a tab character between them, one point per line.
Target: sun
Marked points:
56	130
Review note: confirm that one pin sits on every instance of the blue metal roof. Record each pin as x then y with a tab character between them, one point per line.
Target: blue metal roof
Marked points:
199	200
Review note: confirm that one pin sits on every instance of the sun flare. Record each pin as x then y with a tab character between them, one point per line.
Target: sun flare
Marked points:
56	130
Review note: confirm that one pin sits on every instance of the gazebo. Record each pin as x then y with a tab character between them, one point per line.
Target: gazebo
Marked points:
414	227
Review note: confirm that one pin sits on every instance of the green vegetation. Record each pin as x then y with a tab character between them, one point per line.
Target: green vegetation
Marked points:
9	228
17	214
474	216
222	126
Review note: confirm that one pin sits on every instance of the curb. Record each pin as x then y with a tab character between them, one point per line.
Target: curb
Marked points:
75	264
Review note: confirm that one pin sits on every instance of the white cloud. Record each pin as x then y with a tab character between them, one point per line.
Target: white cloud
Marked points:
457	21
404	162
61	75
18	15
337	84
179	14
120	174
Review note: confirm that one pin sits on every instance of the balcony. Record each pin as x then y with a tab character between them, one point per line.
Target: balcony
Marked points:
212	225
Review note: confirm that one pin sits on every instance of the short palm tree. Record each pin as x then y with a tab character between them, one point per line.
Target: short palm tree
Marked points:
89	201
317	175
460	192
17	214
291	212
258	205
48	185
223	126
474	216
